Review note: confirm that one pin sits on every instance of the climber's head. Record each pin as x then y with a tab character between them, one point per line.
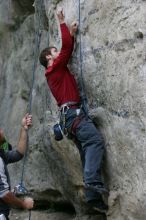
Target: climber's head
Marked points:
48	55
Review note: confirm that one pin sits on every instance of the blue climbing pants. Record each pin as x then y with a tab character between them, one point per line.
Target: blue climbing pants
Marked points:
91	147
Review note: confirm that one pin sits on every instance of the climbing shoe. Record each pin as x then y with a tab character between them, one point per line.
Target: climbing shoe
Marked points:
99	188
98	205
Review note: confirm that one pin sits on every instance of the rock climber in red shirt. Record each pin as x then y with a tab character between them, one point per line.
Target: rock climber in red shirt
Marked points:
65	90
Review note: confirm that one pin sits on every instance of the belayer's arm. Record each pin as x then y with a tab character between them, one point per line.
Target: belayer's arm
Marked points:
16	155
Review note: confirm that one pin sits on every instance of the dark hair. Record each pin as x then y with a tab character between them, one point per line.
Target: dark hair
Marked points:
43	54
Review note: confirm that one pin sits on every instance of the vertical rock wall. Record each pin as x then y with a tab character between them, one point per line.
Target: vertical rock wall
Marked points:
113	46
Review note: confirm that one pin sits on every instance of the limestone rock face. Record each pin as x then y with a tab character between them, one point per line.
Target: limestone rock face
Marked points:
114	70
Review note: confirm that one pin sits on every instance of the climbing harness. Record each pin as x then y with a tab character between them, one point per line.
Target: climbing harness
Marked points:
60	128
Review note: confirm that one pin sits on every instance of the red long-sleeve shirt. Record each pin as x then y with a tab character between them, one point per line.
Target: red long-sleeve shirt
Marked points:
61	82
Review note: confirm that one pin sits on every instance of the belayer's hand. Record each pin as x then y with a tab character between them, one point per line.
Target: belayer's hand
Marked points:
74	27
28	203
27	121
60	15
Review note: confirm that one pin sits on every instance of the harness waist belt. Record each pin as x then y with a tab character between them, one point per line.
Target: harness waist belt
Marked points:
67	104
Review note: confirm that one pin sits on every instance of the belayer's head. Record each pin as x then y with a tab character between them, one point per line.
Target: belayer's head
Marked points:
48	55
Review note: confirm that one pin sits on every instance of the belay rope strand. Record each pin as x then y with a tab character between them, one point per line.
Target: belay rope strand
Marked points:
38	39
83	94
29	215
9	10
20	189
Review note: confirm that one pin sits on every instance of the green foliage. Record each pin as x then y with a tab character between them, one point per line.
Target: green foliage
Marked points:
5	146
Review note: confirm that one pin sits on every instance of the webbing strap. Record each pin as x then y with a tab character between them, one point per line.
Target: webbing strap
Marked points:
68	104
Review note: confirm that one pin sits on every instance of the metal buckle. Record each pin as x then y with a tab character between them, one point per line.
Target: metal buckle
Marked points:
20	190
64	109
78	110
